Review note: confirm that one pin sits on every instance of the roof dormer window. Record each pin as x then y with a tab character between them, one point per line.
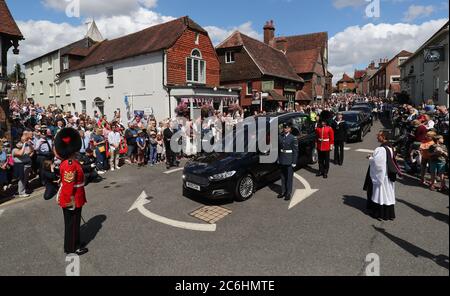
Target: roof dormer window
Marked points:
229	57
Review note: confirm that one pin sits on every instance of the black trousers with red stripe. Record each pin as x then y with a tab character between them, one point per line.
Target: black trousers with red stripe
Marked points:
72	224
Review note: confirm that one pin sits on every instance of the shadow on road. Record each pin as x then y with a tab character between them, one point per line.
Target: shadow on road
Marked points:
438	216
90	230
441	260
356	202
311	170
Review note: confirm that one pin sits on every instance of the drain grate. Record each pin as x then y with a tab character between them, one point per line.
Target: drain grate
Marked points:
211	214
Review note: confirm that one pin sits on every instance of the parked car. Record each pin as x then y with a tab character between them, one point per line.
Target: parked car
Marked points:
240	174
358	125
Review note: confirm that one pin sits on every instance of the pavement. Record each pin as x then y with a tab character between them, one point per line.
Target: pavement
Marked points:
327	233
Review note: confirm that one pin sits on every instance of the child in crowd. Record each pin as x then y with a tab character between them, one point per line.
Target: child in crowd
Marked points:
141	145
424	150
153	149
159	148
49	179
438	162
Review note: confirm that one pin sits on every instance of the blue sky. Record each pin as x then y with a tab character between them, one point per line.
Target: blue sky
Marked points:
291	16
344	20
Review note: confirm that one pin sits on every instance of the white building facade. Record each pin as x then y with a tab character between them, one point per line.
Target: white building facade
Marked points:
426	80
131	85
41	79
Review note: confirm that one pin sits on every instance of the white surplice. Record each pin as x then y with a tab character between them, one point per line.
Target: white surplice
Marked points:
383	188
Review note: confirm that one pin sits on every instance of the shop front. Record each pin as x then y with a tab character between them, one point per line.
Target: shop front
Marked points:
190	99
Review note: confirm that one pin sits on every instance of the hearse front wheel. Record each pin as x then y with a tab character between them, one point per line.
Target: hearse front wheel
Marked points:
245	188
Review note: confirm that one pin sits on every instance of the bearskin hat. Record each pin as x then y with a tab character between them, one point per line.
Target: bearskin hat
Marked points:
67	142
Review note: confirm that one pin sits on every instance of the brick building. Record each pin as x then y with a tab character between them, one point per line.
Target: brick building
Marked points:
264	74
346	84
385	82
308	54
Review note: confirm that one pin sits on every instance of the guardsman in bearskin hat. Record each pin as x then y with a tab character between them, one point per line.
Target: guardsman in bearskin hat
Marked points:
72	196
325	144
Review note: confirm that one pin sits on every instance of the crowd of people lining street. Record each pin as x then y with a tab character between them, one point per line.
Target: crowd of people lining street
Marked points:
419	137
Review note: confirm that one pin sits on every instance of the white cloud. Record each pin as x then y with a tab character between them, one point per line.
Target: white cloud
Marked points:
58	35
358	45
218	35
101	8
418	11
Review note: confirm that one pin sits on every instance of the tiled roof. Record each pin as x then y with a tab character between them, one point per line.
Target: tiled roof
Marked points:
274	96
302	96
403	53
305	42
304	61
346	78
269	60
152	39
8	25
303	51
79	47
359	74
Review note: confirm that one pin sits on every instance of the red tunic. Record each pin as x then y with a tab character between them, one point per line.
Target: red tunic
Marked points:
324	138
72	185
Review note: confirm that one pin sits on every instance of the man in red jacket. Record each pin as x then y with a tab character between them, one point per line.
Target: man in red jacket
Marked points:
325	144
71	197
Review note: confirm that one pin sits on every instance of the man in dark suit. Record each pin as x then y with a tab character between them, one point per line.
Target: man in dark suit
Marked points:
287	159
340	135
170	155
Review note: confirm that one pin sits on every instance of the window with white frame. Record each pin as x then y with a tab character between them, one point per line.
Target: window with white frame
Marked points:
66	63
110	76
229	57
40	65
82	80
196	68
41	89
67	87
83	106
395	79
32	69
32	88
249	88
58	90
50	62
52	89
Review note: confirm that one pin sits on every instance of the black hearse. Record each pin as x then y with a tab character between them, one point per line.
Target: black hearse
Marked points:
358	125
240	174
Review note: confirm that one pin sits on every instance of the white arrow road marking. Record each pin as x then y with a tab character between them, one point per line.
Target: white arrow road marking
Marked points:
1	212
173	171
347	148
301	194
142	201
365	151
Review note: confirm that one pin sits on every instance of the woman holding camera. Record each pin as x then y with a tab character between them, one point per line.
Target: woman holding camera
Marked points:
22	164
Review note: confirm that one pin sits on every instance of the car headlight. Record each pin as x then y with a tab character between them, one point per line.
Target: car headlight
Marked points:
222	176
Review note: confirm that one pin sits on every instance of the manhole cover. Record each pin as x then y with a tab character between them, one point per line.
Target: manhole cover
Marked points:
210	214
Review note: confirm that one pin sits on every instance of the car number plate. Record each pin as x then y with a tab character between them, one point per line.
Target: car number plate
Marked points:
193	186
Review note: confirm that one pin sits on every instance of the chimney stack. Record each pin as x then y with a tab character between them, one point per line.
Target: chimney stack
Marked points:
269	32
282	44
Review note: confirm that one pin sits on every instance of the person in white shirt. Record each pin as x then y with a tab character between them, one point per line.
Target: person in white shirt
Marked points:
114	138
429	123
